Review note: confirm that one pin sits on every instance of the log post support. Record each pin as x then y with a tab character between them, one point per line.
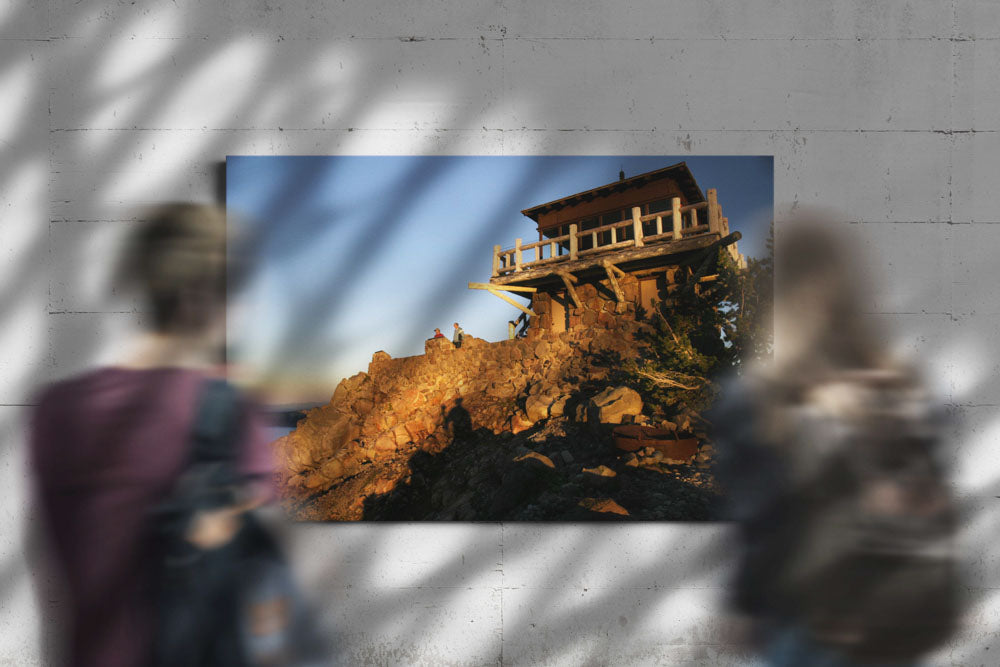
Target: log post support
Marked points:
572	242
676	206
637	226
496	261
714	223
517	254
568	280
610	269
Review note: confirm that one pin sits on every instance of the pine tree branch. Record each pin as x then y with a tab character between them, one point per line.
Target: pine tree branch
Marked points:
672	379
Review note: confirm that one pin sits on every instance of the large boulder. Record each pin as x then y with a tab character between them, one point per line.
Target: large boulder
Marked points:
613	404
558	407
385	442
519	422
332	470
537	407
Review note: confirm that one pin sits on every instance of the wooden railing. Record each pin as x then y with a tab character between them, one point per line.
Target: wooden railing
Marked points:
675	224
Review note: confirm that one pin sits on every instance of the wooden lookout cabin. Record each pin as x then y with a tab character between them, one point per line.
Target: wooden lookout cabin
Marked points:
621	243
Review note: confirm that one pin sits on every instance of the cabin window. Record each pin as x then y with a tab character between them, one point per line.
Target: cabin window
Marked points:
587	242
649	227
604	238
661	207
658	206
563	230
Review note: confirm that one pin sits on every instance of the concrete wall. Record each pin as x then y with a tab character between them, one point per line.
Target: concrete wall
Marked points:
886	111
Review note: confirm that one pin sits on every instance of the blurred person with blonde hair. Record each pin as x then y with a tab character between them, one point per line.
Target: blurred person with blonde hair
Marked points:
110	446
830	460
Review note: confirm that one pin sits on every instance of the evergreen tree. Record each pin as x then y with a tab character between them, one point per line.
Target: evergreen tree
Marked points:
716	320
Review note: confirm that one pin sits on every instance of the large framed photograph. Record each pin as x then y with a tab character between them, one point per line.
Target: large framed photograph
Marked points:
515	338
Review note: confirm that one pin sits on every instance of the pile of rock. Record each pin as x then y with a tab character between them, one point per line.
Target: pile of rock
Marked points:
504	386
387	433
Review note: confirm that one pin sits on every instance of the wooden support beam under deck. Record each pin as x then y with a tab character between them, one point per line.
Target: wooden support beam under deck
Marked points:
568	280
506	288
609	268
523	309
614	268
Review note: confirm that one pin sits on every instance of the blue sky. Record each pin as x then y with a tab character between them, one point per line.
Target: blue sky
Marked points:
356	254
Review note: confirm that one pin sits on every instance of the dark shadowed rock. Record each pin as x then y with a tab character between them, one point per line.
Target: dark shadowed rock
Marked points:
525	477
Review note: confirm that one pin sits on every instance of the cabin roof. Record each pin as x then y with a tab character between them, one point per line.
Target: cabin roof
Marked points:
678	172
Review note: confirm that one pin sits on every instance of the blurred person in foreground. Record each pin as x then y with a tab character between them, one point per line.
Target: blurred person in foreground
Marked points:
830	460
154	448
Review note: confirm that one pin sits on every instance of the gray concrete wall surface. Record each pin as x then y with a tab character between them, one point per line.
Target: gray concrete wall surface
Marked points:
887	111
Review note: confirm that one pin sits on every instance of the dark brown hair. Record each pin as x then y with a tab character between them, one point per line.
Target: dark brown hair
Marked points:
177	259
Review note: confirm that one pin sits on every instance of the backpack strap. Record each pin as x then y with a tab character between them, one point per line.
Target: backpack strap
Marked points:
211	477
214	434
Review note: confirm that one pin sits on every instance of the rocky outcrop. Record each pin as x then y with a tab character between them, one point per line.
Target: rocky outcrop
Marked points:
453	433
423	402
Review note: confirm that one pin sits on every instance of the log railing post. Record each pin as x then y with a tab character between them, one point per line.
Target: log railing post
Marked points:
553	251
496	261
614	235
676	206
694	217
517	254
637	226
572	242
714	224
659	225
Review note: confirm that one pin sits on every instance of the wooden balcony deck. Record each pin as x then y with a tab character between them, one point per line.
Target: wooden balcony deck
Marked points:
644	239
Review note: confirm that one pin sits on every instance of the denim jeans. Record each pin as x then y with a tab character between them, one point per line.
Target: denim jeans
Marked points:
792	647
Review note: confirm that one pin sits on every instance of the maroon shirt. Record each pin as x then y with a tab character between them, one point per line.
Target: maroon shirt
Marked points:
106	448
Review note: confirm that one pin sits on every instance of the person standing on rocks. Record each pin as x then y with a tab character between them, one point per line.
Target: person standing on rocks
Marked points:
459	336
437	333
522	319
